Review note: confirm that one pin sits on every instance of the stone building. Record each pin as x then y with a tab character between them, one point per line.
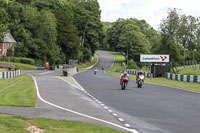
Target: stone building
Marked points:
8	42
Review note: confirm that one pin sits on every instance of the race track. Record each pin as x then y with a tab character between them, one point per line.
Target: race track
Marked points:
151	109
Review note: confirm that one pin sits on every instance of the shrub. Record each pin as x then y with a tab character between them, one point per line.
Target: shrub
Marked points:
132	65
27	61
17	59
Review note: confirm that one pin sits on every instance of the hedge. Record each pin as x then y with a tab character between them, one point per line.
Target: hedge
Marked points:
19	60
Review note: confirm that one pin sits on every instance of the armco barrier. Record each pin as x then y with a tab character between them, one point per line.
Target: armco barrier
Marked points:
185	78
11	74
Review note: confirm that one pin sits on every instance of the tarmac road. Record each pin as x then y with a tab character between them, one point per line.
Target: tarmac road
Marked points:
58	92
150	109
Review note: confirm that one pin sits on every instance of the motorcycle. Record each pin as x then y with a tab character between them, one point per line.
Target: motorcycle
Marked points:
95	71
124	82
140	81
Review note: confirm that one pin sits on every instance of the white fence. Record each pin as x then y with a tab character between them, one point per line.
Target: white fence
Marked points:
185	78
134	72
11	74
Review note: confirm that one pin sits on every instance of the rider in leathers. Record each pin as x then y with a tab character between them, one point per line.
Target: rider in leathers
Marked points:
124	74
139	73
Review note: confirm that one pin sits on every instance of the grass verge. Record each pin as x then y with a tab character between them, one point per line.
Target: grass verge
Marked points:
83	66
18	91
159	81
3	70
15	124
21	66
188	70
70	80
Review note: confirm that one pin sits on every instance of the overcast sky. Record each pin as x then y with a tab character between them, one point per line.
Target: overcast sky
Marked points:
153	11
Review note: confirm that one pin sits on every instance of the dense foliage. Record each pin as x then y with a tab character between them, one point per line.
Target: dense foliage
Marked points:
52	30
176	33
132	36
180	32
59	30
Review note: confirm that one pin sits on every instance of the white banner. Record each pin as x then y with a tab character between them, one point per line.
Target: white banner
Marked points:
154	58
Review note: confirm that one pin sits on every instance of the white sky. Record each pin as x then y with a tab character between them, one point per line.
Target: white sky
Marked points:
153	11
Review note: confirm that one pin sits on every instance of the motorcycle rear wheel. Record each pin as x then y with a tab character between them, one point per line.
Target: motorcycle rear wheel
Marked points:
123	86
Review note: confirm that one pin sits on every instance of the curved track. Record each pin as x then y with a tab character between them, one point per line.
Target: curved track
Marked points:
151	109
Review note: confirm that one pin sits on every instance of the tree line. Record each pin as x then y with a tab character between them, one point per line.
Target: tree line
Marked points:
52	30
59	30
178	35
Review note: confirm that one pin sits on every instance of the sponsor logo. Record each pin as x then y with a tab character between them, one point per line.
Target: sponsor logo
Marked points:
152	58
163	58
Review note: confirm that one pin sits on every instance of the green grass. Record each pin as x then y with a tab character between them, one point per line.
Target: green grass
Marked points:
3	69
83	66
159	81
18	91
188	70
21	66
15	124
173	83
70	80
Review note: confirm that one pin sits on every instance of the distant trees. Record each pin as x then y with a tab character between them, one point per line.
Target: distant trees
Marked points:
56	31
179	32
176	32
132	36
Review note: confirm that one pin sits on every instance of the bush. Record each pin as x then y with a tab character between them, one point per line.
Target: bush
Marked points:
27	61
16	59
19	60
132	65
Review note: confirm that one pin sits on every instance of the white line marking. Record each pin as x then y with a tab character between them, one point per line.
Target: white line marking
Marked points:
102	104
69	83
127	125
105	107
78	84
46	72
115	114
110	111
120	119
77	113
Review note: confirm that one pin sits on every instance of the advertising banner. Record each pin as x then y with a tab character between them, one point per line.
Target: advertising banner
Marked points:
154	58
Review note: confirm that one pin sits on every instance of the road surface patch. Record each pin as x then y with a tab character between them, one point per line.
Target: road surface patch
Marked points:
127	126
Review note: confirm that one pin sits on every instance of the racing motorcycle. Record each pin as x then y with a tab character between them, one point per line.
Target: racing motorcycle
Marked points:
140	81
124	82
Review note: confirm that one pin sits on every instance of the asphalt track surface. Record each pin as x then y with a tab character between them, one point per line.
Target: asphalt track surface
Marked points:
58	92
150	109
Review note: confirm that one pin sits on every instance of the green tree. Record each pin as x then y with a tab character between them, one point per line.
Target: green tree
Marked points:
106	26
68	38
169	29
87	20
133	41
24	1
35	31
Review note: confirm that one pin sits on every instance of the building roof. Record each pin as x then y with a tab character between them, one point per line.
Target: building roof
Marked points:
9	38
